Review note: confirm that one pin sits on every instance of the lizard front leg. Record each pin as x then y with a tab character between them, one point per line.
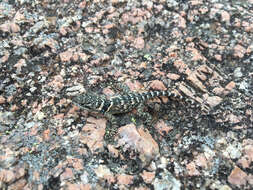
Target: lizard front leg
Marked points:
111	128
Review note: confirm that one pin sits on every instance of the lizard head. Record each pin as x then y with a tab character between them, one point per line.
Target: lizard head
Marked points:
86	101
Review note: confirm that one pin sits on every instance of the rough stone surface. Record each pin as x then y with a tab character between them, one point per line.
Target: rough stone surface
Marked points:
51	51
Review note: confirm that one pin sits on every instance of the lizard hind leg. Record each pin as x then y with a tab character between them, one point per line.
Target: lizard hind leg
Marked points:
144	115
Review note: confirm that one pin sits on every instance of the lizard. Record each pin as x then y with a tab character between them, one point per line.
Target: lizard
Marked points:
122	103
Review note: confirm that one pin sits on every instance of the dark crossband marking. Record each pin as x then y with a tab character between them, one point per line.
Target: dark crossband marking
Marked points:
106	106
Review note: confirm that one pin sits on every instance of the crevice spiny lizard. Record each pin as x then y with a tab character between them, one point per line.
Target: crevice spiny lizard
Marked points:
121	103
